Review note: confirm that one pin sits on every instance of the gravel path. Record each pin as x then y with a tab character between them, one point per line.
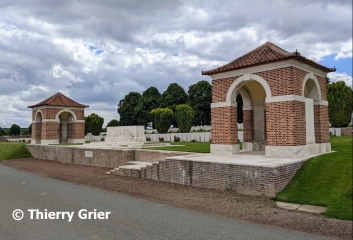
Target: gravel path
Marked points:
258	210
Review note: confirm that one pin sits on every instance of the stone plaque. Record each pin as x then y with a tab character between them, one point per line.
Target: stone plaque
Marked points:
88	154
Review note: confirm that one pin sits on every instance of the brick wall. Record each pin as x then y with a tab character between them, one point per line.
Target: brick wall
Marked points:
285	123
284	81
80	113
242	179
322	82
321	124
346	131
224	125
50	130
248	126
220	88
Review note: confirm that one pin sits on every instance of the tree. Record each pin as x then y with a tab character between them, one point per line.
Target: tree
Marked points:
148	101
94	124
340	104
113	123
162	118
15	130
200	98
173	96
126	109
184	116
2	132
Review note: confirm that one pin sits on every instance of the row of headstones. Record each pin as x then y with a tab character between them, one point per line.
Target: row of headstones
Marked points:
185	137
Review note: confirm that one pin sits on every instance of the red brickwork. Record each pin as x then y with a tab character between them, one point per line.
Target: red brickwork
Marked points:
224	125
321	124
36	130
50	113
80	113
50	130
76	130
284	81
248	126
285	123
322	82
220	88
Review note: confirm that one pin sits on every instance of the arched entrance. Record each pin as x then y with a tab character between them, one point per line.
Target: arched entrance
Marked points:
38	128
253	96
254	117
312	94
65	126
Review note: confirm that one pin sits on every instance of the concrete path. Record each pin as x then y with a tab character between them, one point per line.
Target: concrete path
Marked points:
130	218
304	208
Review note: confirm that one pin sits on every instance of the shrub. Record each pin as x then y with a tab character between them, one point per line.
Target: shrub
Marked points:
176	139
162	118
184	116
161	139
148	139
194	140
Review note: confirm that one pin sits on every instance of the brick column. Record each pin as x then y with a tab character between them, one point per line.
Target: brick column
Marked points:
50	131
224	127
248	126
285	123
321	124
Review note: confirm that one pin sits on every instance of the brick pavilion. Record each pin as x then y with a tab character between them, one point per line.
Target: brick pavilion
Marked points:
58	119
285	109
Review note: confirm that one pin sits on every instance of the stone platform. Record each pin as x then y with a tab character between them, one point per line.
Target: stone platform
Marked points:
247	173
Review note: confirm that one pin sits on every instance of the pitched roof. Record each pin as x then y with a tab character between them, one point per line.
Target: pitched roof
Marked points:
266	53
59	99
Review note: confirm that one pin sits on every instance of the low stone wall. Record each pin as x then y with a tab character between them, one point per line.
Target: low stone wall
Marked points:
346	131
242	179
109	158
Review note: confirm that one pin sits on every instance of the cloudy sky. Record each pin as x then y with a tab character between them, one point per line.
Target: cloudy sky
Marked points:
96	52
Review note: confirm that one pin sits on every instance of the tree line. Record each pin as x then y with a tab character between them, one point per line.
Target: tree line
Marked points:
135	109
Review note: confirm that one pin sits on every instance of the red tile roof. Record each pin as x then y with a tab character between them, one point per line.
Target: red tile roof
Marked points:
266	53
61	100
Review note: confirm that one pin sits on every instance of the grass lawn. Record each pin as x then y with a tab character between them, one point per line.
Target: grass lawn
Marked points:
11	150
325	180
198	147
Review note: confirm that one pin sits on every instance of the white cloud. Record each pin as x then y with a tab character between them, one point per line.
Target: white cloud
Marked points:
335	77
96	53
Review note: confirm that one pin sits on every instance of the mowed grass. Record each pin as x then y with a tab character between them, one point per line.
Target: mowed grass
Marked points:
198	147
11	150
325	180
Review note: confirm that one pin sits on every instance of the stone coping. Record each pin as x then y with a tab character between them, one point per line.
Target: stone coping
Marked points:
247	159
299	207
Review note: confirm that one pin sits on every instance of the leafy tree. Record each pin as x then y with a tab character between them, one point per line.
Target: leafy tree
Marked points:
148	101
126	109
184	116
340	104
200	98
162	118
94	124
15	130
113	123
239	108
173	96
2	132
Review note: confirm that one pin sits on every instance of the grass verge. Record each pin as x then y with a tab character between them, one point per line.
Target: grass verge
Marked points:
325	180
198	147
11	150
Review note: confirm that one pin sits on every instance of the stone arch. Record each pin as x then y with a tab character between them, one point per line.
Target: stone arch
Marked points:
38	127
65	110
311	87
240	81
